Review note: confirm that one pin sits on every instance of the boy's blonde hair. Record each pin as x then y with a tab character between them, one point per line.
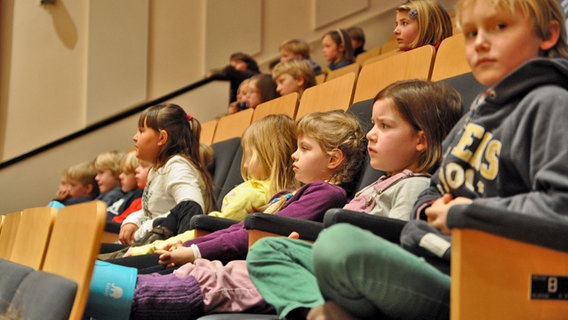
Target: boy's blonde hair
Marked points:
541	12
434	23
296	46
110	160
297	69
337	130
270	142
83	172
129	162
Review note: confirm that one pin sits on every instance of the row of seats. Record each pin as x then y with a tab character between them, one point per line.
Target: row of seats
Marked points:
47	259
348	85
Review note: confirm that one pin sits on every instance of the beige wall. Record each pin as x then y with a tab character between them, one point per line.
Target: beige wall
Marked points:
70	64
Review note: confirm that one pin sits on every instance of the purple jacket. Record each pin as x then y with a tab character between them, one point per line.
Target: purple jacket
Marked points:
310	202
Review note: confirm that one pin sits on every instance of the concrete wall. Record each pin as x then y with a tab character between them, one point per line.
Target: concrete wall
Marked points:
67	65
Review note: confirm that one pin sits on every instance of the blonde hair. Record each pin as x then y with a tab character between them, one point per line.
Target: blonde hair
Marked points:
269	143
129	162
337	130
110	160
297	69
434	23
541	13
207	156
85	173
296	46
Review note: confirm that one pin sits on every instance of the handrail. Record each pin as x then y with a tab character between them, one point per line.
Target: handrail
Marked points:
105	122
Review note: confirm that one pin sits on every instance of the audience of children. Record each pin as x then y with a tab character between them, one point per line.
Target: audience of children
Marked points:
293	76
266	168
107	165
77	184
329	154
421	22
410	120
128	184
506	40
507	152
296	49
357	36
168	138
337	50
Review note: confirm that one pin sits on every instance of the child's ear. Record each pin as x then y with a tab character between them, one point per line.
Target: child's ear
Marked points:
300	81
163	137
90	188
421	142
336	159
551	38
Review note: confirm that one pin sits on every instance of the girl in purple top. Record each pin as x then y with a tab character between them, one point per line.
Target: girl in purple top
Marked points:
330	152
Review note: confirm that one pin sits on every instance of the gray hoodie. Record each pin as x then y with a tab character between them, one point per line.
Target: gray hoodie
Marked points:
510	150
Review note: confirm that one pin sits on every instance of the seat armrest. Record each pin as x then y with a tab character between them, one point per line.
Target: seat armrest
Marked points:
384	227
548	233
112	227
280	225
210	223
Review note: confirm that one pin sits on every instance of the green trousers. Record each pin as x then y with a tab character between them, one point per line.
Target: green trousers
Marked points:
365	274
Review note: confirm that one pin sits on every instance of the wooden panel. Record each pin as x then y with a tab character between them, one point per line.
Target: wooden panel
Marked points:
330	95
240	33
491	278
74	245
354	67
450	59
8	233
328	11
30	243
413	64
320	78
233	125
208	131
368	54
287	104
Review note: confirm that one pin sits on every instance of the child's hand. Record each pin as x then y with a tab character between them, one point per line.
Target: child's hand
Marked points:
175	255
294	235
126	235
62	194
437	213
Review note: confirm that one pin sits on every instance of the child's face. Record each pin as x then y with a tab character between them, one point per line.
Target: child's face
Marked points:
331	51
286	55
253	97
106	180
310	161
77	189
242	92
141	174
394	145
406	30
496	42
128	181
148	143
286	84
